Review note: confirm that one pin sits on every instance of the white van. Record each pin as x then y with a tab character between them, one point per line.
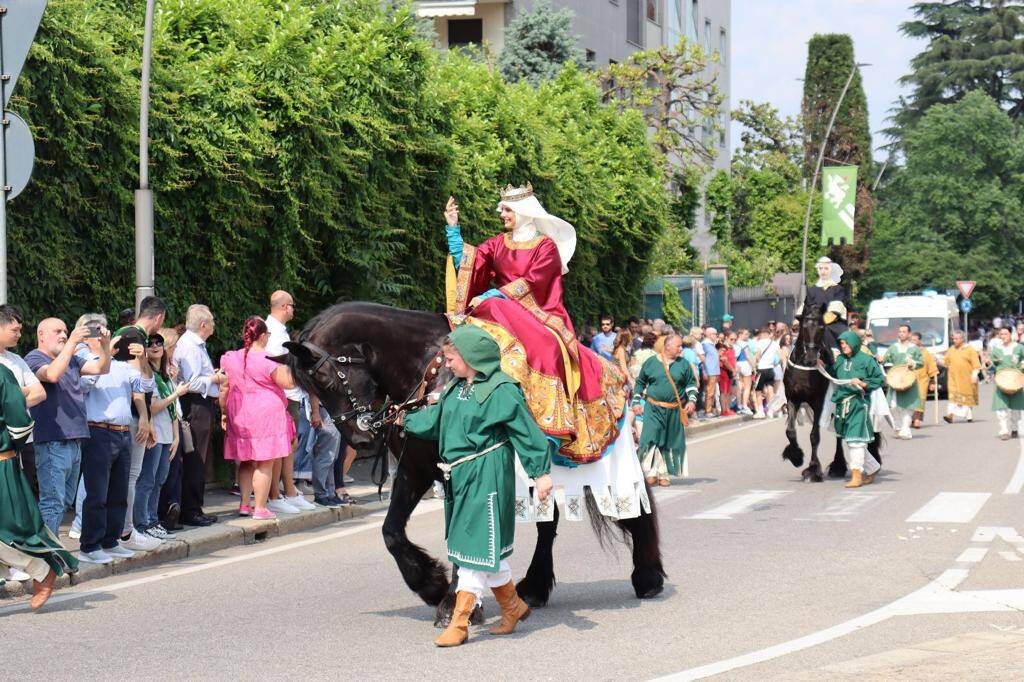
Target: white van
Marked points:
932	314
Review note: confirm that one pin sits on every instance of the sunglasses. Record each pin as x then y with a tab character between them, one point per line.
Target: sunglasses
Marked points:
155	344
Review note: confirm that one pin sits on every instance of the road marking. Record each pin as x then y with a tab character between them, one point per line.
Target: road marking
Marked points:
972	555
1016	483
990	533
425	507
663	496
845	505
1009	556
741	504
932	598
729	432
950	508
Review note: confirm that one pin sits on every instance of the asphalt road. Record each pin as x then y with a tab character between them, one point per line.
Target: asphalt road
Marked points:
768	576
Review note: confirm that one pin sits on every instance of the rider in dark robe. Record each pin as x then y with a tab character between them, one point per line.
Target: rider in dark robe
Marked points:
829	294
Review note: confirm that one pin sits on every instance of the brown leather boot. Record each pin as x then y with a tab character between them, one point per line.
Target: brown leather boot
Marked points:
41	591
855	479
869	478
513	608
457	631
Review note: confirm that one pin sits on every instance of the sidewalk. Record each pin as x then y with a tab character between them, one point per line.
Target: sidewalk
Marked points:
232	530
991	655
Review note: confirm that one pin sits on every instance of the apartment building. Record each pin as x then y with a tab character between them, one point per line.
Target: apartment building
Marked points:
609	31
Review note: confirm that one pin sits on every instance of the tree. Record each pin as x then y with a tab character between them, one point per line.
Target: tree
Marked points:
956	211
830	60
538	43
972	45
680	104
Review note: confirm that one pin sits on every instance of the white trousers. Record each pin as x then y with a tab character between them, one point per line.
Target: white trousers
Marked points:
1008	417
902	418
962	411
653	463
477	581
858	457
34	566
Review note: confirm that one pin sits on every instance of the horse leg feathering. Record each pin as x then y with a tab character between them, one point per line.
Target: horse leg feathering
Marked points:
793	453
535	587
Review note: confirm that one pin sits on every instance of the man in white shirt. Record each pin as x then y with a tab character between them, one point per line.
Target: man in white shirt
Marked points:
766	354
196	368
282	310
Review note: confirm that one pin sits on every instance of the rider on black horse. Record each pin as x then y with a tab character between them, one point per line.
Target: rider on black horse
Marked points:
828	292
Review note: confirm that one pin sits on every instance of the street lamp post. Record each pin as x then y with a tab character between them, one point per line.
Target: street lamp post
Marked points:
144	259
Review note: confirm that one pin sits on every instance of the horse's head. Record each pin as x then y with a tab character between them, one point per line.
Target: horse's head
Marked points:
810	342
356	356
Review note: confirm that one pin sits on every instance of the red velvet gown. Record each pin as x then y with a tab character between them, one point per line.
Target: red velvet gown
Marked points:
572	393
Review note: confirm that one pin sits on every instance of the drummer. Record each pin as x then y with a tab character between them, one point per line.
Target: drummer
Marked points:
904	403
1007	355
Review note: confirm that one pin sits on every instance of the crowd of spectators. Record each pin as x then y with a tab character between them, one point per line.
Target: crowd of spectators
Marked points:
739	371
125	425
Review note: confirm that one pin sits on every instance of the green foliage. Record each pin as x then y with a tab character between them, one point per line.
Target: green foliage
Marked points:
956	211
718	203
307	146
972	45
830	61
672	309
538	43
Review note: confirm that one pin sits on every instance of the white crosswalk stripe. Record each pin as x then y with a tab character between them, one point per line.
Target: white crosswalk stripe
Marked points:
753	500
950	508
847	505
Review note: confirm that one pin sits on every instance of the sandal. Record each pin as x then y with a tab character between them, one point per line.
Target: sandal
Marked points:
348	500
664	482
652	480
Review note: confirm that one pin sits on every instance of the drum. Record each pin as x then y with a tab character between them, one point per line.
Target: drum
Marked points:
1010	381
901	378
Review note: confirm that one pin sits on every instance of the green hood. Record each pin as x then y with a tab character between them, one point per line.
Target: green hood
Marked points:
853	340
480	351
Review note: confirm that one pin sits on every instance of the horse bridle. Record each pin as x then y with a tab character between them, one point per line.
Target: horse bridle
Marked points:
366	419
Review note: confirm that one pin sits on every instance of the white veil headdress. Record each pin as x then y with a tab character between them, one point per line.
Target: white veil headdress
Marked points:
525	205
835	272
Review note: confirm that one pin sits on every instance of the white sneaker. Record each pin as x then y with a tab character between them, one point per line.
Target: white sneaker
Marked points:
19	576
97	557
300	503
120	552
75	533
141	542
280	506
759	415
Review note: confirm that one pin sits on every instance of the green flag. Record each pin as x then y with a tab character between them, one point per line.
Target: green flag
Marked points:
839	191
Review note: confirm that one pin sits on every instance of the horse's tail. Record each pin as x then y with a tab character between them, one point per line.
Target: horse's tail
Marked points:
608	530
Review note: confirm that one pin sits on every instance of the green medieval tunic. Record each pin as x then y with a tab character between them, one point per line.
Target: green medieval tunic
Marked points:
488	415
852	419
1007	357
21	526
899	354
663	428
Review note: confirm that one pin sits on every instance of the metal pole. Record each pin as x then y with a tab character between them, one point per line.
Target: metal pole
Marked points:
814	180
144	258
3	166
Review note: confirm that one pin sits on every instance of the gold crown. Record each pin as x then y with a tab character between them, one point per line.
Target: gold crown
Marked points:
511	193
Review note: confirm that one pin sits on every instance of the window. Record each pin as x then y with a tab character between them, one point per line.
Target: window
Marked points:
707	38
653	11
692	21
591	56
723	47
675	25
465	31
634	26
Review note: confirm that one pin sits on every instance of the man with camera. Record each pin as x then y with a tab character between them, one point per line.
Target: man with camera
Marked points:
61	422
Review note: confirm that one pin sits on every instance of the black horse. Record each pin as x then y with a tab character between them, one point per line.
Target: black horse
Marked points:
354	356
805	385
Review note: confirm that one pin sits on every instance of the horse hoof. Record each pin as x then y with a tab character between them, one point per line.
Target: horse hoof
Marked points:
813	475
836	472
534	597
794	454
648	582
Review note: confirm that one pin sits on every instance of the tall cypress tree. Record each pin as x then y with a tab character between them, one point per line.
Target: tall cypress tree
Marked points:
830	60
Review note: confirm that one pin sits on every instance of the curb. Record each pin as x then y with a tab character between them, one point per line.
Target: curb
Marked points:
196	542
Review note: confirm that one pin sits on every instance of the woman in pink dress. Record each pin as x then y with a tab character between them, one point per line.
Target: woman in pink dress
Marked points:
255	416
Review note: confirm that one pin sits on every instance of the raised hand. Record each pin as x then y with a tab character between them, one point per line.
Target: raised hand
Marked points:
451	212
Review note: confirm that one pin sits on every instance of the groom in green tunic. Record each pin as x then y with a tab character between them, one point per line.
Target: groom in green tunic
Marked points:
666	383
481	422
25	542
856	376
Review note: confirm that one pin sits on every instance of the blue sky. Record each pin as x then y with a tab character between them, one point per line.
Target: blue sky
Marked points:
769	50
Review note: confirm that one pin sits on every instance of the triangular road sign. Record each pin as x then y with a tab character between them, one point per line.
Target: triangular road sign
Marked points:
966	287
